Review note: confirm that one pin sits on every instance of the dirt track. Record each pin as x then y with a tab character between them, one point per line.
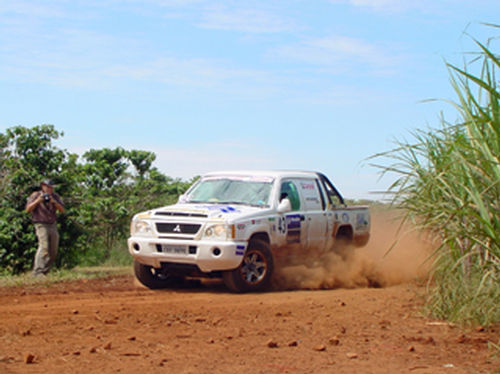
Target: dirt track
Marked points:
113	325
330	322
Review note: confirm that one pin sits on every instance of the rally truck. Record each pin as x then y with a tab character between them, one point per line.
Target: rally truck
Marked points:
232	225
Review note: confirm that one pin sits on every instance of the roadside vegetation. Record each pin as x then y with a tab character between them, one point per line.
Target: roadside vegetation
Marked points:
102	189
61	275
448	183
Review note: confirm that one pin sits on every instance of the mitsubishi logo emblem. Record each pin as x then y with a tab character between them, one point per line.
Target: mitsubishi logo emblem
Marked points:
177	228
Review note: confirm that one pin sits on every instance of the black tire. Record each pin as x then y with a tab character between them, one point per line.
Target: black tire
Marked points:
255	271
153	278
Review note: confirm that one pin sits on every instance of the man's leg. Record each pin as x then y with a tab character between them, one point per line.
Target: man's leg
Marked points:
42	257
53	244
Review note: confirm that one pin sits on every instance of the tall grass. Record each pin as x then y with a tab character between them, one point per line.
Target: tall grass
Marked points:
448	183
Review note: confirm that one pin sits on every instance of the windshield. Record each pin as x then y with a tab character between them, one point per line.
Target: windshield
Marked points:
232	190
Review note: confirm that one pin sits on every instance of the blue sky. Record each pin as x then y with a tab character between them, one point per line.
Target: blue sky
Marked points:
214	85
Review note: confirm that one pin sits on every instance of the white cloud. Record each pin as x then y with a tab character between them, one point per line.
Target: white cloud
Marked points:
30	9
342	53
380	3
72	57
426	7
244	20
383	5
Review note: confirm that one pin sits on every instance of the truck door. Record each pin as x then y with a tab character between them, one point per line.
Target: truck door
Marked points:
315	214
292	225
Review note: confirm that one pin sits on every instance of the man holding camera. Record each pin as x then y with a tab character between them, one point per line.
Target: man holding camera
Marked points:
43	206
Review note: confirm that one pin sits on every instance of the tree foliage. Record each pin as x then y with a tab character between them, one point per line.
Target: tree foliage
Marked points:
101	191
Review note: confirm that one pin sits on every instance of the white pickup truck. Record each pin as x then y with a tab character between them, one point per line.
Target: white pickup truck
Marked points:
233	225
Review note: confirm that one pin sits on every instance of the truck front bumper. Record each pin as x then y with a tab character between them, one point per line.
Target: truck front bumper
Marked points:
208	255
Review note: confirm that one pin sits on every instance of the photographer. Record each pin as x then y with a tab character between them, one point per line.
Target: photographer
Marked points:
43	206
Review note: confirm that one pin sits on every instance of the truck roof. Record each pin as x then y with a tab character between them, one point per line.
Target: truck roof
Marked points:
266	173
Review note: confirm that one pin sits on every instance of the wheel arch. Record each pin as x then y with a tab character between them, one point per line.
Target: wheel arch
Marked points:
345	232
260	236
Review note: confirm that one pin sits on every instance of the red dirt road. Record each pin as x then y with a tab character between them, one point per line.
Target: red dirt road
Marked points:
115	326
326	320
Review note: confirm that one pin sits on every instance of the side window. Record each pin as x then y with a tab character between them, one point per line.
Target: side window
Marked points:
332	194
311	195
288	189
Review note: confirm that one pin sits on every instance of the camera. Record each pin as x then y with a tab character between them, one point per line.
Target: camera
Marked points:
46	197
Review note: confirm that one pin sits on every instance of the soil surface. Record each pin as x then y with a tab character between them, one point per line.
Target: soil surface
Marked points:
114	325
324	316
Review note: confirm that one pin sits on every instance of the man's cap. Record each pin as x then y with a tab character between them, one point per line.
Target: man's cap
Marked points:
47	182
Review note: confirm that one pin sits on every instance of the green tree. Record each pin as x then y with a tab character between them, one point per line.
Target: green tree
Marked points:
142	161
101	192
104	207
27	157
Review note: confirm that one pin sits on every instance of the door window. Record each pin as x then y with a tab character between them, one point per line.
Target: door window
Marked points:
290	191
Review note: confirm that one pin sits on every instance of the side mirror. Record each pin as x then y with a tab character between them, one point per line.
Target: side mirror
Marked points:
284	206
182	199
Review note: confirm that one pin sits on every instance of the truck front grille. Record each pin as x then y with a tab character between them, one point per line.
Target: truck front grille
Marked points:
177	228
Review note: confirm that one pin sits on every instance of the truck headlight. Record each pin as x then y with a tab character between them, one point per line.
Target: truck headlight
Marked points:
141	228
219	232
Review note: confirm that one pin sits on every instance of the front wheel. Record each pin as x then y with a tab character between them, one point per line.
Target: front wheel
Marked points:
152	277
255	271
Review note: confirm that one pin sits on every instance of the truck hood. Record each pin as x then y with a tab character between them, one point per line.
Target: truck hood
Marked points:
223	212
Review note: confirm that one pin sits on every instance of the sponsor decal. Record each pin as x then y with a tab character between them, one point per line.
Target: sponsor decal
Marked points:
345	217
272	219
307	186
240	250
219	208
281	225
256	222
293	221
293	225
361	221
241	226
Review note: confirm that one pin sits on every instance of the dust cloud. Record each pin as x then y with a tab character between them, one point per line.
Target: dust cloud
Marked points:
394	254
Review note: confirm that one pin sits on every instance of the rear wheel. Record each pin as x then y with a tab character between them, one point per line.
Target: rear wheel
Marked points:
152	277
255	271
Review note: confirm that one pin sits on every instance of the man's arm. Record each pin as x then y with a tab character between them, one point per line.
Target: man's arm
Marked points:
31	205
57	204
